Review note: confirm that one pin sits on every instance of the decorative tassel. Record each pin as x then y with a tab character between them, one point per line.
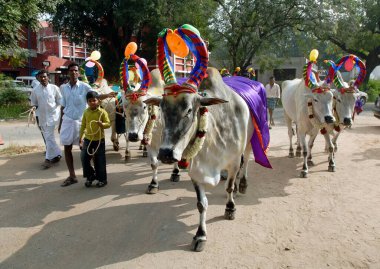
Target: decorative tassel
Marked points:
183	164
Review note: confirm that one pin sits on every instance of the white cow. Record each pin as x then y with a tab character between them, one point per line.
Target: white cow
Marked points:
214	138
312	112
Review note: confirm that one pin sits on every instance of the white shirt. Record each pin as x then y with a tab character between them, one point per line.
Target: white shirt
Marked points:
47	100
74	99
273	92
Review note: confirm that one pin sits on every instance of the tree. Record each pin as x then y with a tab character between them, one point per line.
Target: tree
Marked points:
14	15
110	25
353	26
245	26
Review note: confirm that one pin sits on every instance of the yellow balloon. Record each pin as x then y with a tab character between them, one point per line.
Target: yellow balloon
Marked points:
131	48
313	55
176	44
95	55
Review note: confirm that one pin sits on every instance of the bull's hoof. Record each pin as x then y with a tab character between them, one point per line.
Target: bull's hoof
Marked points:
141	147
175	177
243	188
310	163
229	213
152	189
331	168
222	177
198	244
116	147
291	155
303	174
145	154
335	149
298	154
127	158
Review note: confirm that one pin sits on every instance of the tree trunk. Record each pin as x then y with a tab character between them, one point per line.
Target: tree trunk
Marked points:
372	60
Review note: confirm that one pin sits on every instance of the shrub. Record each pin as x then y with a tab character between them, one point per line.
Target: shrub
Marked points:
9	96
373	89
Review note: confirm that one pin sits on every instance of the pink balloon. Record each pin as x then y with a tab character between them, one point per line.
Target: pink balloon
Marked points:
143	60
349	64
90	64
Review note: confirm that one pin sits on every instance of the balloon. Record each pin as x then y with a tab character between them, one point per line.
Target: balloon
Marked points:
191	28
95	55
90	64
349	64
176	44
144	62
131	48
313	55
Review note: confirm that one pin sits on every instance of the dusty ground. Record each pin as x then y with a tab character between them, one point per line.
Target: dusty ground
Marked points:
329	220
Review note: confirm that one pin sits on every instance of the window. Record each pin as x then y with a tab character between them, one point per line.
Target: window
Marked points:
284	74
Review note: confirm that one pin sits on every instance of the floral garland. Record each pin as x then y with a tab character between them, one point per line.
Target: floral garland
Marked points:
192	149
314	121
147	135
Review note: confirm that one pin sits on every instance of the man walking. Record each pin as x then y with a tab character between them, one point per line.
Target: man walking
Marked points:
273	95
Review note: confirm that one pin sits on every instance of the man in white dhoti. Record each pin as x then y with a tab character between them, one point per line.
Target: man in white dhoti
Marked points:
46	99
73	105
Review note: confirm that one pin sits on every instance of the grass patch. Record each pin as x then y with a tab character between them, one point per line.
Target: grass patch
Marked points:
13	111
16	150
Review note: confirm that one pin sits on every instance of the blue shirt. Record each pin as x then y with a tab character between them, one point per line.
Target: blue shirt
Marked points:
74	99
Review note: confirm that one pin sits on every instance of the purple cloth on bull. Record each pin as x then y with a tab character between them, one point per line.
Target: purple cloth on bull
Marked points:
253	93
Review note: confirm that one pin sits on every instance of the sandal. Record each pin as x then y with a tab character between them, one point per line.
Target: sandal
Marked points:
69	181
101	184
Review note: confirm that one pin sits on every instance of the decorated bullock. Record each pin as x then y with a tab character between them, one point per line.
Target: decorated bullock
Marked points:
143	122
308	103
345	95
209	126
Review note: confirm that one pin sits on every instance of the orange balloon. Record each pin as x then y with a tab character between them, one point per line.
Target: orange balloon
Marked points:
131	48
176	44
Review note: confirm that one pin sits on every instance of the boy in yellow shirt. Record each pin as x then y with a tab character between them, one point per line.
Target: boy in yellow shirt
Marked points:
94	121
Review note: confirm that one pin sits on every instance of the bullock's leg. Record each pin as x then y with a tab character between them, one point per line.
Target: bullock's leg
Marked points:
127	150
199	240
229	212
311	144
288	122
242	175
331	153
175	177
141	147
334	139
145	151
114	137
223	175
153	186
305	169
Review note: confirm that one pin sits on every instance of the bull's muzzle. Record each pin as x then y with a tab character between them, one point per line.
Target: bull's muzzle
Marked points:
347	121
165	155
329	119
133	137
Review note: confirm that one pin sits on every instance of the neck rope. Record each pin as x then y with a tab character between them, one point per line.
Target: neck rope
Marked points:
94	133
193	148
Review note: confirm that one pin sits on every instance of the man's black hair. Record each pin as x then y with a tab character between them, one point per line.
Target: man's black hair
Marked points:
71	65
92	94
42	71
272	77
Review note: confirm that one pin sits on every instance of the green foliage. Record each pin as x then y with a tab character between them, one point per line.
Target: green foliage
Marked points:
13	111
9	95
373	89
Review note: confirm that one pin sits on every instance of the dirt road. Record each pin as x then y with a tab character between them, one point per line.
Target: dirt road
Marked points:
329	220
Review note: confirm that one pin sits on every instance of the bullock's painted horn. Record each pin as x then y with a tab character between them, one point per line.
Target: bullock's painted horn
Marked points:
124	76
358	63
164	64
82	71
309	77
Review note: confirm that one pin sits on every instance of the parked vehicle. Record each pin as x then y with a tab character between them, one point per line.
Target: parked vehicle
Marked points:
18	85
29	81
376	108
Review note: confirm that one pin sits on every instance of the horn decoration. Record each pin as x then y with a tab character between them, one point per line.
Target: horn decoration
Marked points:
100	77
309	77
197	47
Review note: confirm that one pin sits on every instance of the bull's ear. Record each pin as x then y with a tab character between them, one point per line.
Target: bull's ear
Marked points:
153	101
208	101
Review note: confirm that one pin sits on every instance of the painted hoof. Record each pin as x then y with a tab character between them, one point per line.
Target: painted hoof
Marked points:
145	154
229	214
298	154
291	155
331	169
175	177
303	174
310	163
198	245
152	189
243	188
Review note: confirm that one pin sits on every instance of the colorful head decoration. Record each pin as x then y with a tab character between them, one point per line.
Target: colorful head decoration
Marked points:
124	77
194	42
90	62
